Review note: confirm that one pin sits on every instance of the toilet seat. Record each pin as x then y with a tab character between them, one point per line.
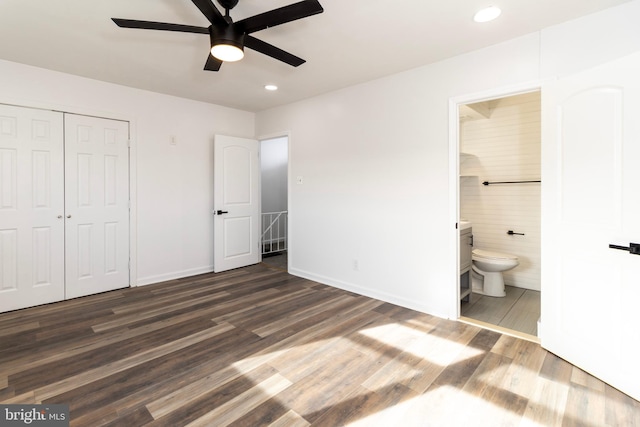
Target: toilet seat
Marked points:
490	255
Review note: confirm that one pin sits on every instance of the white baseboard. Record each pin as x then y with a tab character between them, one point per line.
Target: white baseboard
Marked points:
382	296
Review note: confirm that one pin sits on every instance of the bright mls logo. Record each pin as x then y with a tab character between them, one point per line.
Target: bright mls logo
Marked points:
34	415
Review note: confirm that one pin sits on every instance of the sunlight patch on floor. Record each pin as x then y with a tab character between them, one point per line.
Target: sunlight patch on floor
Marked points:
444	405
427	346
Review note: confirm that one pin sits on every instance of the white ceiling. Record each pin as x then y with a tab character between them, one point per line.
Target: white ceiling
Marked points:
353	41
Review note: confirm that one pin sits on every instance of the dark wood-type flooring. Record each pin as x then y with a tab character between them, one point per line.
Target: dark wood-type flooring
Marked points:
258	347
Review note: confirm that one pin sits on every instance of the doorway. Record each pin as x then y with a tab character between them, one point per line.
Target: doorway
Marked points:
274	165
499	199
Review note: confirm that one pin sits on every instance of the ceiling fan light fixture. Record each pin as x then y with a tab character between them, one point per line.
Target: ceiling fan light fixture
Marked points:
227	52
487	14
227	44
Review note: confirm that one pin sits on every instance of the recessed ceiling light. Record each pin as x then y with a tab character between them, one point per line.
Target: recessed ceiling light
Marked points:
271	87
487	14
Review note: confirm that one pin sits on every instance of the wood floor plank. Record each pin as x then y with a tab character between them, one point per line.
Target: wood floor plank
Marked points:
239	309
140	315
91	375
267	413
170	402
580	377
256	347
547	403
583	405
125	391
285	321
50	354
522	373
290	419
219	397
329	383
481	389
364	405
226	413
621	410
555	368
54	372
19	328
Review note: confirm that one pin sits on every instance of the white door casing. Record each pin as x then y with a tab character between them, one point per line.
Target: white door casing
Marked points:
236	224
31	207
97	205
590	199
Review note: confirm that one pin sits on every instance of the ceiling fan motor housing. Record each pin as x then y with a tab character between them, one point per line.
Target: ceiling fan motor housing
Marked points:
227	35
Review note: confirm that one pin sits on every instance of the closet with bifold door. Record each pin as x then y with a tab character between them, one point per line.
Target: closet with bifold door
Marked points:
64	206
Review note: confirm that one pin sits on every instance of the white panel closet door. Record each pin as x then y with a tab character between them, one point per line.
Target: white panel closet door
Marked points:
591	199
31	207
97	205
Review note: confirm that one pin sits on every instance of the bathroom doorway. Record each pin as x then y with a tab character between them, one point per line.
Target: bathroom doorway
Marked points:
499	142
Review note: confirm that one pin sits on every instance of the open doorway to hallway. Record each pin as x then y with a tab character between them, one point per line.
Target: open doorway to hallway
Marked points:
499	201
274	161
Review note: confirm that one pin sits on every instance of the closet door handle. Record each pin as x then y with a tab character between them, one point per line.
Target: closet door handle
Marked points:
59	216
633	248
68	216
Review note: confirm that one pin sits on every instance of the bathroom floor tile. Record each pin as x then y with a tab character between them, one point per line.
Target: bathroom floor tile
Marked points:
518	310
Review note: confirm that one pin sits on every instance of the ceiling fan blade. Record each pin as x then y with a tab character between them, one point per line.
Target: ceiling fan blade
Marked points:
212	64
149	25
272	51
279	16
210	11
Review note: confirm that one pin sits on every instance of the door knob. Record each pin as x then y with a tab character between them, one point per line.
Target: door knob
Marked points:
633	248
59	216
219	212
68	216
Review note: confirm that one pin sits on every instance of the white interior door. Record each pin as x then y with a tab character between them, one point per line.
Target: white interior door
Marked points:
97	205
591	198
236	224
31	207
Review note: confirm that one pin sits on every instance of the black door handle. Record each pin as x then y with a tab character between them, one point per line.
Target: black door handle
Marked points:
633	248
219	212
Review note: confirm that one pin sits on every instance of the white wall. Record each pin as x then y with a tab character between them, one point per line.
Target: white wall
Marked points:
504	147
375	161
173	183
273	164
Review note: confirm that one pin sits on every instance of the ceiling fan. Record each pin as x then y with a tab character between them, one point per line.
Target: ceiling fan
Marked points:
228	38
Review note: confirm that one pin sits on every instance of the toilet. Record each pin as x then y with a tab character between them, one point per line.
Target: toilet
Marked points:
487	268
